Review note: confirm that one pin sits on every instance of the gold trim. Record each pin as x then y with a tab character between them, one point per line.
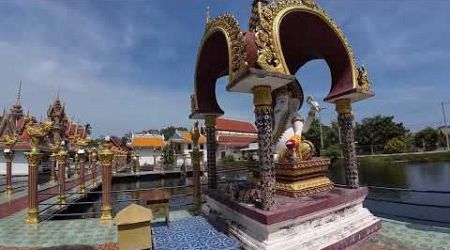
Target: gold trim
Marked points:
262	96
229	27
343	106
304	184
268	37
299	172
210	121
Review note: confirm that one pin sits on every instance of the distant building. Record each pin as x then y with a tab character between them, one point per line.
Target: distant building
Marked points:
232	136
13	122
182	143
149	147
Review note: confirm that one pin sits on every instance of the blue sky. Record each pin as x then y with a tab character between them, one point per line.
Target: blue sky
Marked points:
127	66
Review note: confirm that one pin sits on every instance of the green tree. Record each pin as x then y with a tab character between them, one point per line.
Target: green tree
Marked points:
168	154
427	137
314	135
378	130
170	131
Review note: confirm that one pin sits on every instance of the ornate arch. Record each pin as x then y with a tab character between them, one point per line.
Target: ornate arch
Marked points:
268	21
221	52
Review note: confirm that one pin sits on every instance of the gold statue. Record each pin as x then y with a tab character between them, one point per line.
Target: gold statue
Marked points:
9	140
36	130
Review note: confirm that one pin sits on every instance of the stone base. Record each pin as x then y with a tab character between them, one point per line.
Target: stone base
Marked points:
329	220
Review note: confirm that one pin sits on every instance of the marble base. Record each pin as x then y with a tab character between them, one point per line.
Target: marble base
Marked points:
329	220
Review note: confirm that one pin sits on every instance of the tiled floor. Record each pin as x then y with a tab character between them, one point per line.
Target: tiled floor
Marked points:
191	233
400	235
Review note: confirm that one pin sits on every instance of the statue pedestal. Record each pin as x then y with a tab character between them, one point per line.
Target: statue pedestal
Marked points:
327	220
297	179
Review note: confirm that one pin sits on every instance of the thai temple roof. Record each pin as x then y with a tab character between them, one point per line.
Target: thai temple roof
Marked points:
185	137
12	122
147	141
225	124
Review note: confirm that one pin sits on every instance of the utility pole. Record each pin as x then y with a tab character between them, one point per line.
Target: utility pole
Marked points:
446	129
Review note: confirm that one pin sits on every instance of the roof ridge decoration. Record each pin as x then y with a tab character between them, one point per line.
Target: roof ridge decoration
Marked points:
229	26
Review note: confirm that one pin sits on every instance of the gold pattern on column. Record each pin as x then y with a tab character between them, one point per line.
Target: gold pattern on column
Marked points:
9	156
106	157
94	157
36	131
9	142
262	96
61	159
34	160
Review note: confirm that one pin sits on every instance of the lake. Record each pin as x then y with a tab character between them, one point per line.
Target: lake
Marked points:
420	176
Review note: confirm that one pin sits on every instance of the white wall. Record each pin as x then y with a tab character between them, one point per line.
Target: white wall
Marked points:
19	166
147	156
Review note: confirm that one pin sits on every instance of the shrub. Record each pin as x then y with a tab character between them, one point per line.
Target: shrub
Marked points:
395	145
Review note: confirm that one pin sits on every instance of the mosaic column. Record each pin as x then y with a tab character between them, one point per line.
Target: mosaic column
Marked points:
81	166
262	99
345	118
34	160
61	159
210	130
196	154
9	156
106	158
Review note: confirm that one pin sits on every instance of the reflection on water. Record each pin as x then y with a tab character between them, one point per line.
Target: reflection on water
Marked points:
423	176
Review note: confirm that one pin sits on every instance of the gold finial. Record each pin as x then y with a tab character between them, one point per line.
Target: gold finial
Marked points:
57	93
208	18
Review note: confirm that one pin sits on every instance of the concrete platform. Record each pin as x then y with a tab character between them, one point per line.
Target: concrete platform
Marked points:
328	220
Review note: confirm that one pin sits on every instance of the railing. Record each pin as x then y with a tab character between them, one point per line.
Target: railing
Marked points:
395	189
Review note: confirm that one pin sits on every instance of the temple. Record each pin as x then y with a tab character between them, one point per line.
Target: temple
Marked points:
148	147
288	202
12	125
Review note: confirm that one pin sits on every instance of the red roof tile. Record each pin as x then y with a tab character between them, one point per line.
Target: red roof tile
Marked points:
235	126
235	141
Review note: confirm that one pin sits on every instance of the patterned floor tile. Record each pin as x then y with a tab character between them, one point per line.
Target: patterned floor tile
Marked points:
191	233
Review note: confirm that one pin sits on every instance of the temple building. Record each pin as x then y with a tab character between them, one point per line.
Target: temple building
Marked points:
182	142
149	147
13	122
232	136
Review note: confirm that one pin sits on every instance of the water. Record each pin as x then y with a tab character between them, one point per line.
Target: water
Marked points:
421	176
180	189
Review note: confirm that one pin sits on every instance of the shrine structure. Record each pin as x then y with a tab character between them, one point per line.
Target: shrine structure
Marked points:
289	203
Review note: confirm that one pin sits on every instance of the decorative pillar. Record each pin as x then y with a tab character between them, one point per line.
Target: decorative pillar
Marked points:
53	168
9	156
61	158
210	130
138	164
106	157
262	99
81	166
77	167
196	154
34	159
94	167
345	118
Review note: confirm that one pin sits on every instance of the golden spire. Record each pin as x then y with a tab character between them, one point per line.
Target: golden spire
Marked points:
18	93
208	18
